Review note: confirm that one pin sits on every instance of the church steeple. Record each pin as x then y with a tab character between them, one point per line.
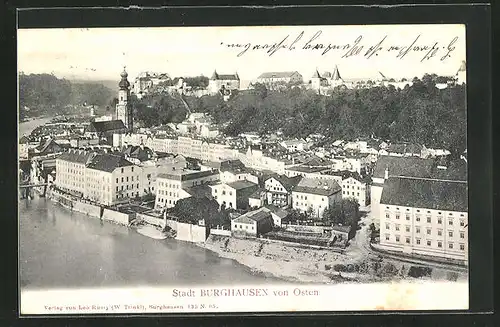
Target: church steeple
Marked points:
123	109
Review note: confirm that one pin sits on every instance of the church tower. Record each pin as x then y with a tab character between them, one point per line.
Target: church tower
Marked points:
123	108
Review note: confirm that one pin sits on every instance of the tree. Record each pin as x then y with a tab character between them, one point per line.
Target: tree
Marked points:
192	210
346	213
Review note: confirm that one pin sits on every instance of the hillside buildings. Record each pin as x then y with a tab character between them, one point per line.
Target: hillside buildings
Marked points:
226	81
273	80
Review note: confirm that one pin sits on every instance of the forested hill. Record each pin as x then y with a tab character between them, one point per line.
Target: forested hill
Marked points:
420	113
45	94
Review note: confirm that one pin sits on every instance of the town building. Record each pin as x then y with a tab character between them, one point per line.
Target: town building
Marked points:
110	178
425	217
306	171
253	223
278	214
257	199
355	186
273	80
327	81
388	166
235	194
24	143
279	189
104	130
314	196
70	170
171	186
218	81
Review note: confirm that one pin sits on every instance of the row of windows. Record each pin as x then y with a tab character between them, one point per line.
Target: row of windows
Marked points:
125	180
428	211
429	242
162	192
223	192
353	187
241	227
429	219
127	187
163	200
131	169
128	195
168	185
417	230
347	193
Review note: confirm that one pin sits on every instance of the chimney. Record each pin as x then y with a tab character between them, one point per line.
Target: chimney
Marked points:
386	175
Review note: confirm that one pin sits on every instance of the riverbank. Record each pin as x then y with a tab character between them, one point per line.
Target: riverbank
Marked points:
298	264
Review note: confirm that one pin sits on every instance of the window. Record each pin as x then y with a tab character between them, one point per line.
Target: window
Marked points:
450	245
408	240
462	223
462	235
386	237
428	219
397	238
450	222
450	234
122	170
407	209
440	220
407	217
418	241
397	227
132	178
122	179
440	232
417	217
417	230
117	188
387	216
462	247
407	228
397	216
440	244
127	179
387	226
428	231
117	180
137	185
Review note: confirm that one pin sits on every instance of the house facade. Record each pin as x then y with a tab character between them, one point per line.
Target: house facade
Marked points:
218	81
235	194
170	187
314	196
425	217
279	190
253	223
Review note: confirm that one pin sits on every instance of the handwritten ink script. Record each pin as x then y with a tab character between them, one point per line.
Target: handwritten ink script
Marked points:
361	46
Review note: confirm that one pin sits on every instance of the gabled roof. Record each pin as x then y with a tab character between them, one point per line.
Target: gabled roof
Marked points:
277	74
316	74
280	212
403	166
138	152
45	146
254	216
200	191
257	194
78	156
426	193
108	162
226	77
289	183
105	126
336	74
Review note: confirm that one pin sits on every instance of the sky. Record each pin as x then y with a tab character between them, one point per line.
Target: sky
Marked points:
101	53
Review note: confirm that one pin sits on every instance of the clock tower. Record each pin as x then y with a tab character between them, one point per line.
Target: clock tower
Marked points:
123	108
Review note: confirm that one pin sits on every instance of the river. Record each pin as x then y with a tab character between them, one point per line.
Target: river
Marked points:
62	249
25	128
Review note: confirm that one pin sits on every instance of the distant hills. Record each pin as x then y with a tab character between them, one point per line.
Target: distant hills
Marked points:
45	94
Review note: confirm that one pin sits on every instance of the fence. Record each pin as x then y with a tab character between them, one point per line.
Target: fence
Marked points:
152	220
117	217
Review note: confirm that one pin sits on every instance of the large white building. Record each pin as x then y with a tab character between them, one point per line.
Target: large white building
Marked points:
425	217
171	186
234	195
227	81
314	196
100	177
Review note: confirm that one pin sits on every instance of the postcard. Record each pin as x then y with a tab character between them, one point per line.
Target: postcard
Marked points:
242	169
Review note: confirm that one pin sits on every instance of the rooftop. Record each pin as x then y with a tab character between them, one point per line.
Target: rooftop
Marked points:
108	162
426	193
316	186
277	74
403	166
254	216
307	169
186	174
239	185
